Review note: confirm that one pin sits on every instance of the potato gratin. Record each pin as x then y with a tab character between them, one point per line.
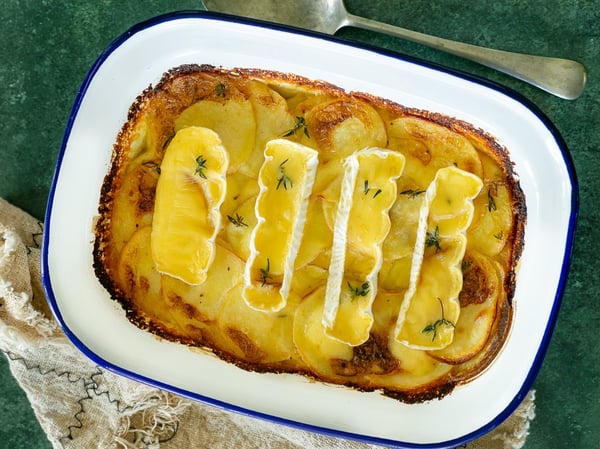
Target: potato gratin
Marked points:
287	225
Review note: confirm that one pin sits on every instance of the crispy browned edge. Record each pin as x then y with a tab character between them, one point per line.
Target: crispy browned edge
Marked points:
442	386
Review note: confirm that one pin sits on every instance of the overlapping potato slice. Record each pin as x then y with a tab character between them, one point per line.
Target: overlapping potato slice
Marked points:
285	181
341	127
494	219
316	244
430	308
429	146
189	193
260	336
139	280
316	348
201	303
273	119
362	222
224	105
133	204
238	226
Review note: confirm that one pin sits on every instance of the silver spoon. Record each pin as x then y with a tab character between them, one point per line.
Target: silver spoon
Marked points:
561	77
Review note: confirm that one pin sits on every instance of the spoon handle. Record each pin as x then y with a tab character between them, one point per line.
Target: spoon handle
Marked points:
561	77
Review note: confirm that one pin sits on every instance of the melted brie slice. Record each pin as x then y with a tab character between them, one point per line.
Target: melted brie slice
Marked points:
430	308
190	190
285	183
362	222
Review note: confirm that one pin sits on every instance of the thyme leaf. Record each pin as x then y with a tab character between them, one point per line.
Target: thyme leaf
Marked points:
283	180
168	141
300	125
367	189
432	239
220	89
412	193
363	290
264	273
491	202
433	328
238	220
200	167
153	165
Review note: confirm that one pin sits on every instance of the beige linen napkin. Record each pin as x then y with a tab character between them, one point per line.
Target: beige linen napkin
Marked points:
80	405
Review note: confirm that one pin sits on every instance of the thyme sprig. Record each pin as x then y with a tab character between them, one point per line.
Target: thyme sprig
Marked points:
200	167
491	201
367	189
265	273
363	290
220	89
238	220
153	165
300	125
411	193
283	180
432	239
441	322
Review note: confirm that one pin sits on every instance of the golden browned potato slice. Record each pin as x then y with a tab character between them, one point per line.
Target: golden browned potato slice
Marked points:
341	127
417	369
257	336
238	226
404	216
429	146
217	112
239	189
395	274
204	301
273	119
139	280
133	203
318	240
494	219
316	348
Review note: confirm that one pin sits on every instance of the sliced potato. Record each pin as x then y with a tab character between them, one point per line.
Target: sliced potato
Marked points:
430	146
227	105
133	204
204	301
316	348
140	281
238	226
341	127
258	336
318	241
273	119
493	224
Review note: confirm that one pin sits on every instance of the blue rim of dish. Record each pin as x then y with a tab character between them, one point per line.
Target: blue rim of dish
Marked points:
537	362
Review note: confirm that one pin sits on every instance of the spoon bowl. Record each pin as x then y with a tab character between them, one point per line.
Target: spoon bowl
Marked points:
561	77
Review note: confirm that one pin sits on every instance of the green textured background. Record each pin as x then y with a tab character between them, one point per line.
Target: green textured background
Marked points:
48	46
